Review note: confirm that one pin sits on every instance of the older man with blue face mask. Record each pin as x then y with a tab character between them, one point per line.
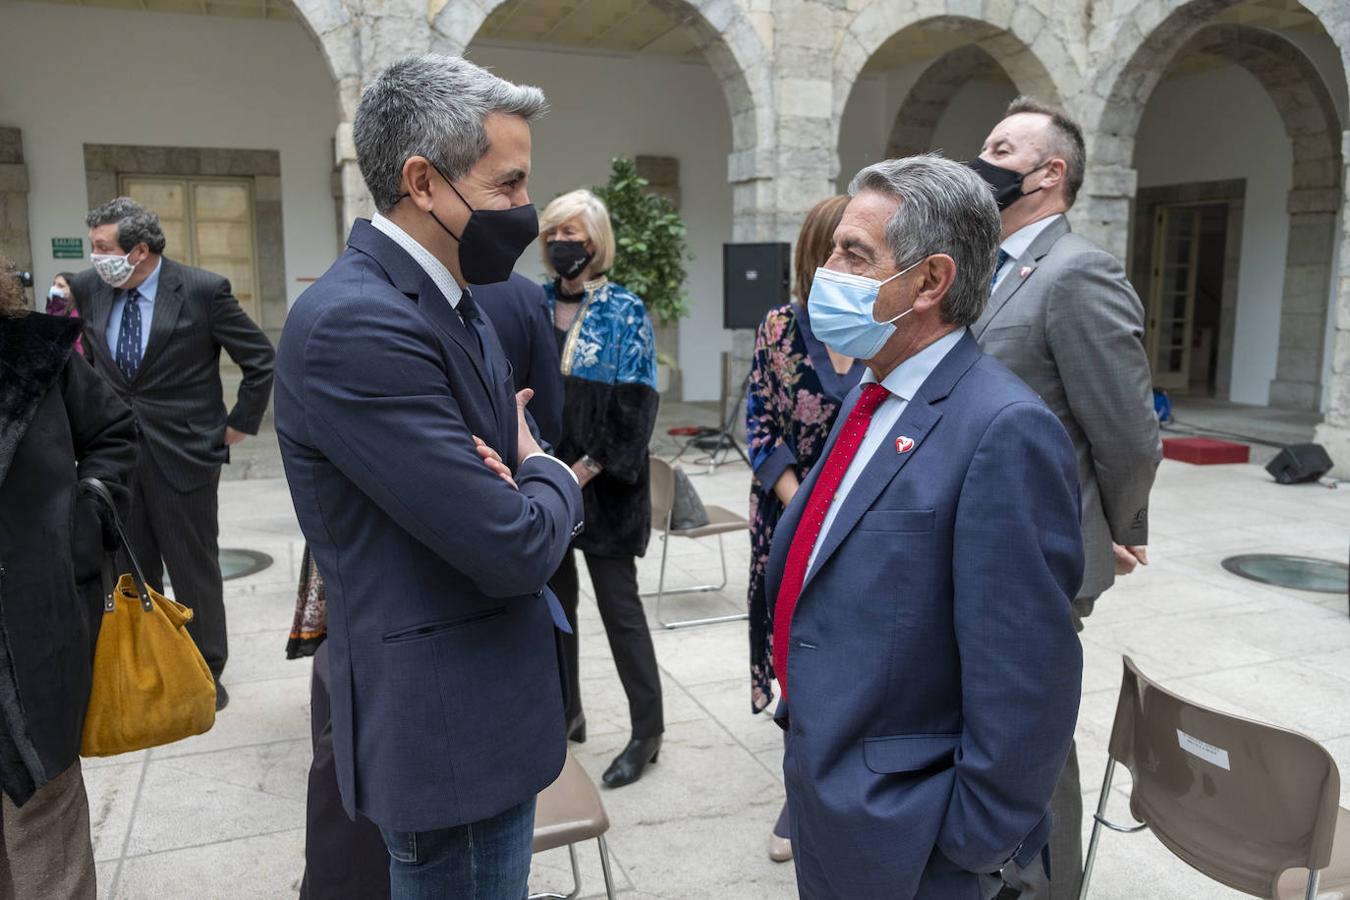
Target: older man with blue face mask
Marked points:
940	528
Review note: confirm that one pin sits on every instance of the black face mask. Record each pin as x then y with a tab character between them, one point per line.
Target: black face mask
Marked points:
1006	183
492	240
569	258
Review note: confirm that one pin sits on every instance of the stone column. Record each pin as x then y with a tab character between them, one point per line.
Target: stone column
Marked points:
1334	432
1104	205
355	198
15	242
1303	311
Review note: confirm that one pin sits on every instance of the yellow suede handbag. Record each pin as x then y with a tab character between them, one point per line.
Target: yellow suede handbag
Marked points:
151	685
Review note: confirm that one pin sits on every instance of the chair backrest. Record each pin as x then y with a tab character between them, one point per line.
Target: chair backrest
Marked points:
1239	800
663	491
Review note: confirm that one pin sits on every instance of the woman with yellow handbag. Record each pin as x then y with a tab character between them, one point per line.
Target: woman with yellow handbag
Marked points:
59	423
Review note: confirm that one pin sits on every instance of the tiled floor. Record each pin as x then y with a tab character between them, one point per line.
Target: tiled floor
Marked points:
222	815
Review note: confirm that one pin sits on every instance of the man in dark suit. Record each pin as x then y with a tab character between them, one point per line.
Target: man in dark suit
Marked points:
433	515
345	857
155	331
518	311
940	529
1064	319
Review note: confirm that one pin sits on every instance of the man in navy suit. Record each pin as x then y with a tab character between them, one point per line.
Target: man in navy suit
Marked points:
922	577
430	509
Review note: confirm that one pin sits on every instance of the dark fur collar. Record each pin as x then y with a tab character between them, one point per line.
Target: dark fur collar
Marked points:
33	351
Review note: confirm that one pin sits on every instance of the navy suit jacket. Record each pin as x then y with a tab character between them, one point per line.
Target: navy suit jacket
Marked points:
519	313
934	671
446	691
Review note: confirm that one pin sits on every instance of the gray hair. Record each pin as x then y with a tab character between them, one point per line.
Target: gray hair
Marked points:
433	106
135	224
944	208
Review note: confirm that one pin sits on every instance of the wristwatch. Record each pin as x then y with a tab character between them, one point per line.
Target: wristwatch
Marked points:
590	465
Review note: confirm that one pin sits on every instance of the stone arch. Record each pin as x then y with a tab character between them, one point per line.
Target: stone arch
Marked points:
1006	37
1314	127
927	101
730	44
331	25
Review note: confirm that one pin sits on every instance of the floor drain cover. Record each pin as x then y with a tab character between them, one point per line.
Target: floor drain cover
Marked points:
238	563
1301	572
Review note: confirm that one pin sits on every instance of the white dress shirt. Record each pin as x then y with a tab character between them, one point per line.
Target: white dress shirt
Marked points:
903	383
148	289
440	275
1018	243
442	278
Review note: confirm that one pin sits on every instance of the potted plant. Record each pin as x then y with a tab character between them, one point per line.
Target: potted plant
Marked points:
652	250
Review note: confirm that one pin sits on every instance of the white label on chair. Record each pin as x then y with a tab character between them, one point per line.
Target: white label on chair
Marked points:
1208	752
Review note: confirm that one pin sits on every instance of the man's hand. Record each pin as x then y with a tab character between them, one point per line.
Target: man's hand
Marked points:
584	473
493	460
525	442
1128	558
233	436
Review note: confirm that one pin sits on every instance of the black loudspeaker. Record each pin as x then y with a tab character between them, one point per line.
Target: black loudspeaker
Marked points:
755	279
1298	463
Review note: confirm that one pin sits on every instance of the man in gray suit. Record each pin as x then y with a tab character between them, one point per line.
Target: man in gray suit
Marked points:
155	331
1064	318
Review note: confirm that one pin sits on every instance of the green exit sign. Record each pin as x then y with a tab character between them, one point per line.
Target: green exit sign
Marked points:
68	248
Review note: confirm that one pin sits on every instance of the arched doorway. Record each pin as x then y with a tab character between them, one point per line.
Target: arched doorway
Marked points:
908	81
1267	120
679	87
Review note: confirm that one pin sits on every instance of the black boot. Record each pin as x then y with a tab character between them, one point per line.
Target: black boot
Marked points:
576	729
628	765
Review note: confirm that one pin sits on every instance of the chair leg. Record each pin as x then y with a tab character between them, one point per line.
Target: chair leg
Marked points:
576	881
1097	821
696	589
1314	876
604	867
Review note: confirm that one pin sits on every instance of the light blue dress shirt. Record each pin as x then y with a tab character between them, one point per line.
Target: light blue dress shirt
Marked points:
903	383
147	289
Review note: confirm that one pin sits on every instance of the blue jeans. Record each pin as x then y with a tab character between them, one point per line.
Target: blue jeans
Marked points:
487	860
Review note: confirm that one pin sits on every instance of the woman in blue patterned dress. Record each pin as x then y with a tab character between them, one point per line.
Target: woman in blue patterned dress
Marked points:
608	353
796	387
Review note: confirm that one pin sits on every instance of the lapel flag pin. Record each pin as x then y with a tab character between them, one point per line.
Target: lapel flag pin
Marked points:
1026	270
904	444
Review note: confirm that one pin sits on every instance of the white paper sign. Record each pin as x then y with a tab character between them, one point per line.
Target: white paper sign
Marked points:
1208	752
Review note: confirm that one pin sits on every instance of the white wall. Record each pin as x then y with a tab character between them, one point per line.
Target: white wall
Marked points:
76	75
869	116
608	106
1219	125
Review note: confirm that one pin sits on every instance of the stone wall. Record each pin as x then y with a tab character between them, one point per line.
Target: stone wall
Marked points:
788	67
14	240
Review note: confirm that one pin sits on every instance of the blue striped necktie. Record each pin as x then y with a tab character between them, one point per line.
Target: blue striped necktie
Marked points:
129	338
1003	257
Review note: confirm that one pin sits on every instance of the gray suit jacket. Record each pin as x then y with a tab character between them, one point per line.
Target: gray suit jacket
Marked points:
177	394
1068	323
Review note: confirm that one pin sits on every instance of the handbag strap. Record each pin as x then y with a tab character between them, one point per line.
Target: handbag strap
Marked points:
100	490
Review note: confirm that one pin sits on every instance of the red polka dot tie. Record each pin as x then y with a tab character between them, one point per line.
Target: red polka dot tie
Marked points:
813	519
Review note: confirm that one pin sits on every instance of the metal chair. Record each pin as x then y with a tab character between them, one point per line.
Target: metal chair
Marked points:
1252	806
720	521
568	812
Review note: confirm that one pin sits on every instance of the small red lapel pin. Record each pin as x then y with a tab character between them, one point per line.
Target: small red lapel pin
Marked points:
904	444
1026	270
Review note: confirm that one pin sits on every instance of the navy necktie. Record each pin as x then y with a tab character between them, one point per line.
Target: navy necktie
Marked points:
129	338
1003	257
473	321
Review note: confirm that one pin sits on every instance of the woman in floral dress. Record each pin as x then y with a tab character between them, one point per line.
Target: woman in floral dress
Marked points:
796	387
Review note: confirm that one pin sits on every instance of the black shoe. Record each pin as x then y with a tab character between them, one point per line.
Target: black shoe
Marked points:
628	765
222	697
576	729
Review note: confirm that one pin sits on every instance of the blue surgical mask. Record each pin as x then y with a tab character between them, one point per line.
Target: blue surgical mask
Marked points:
840	307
